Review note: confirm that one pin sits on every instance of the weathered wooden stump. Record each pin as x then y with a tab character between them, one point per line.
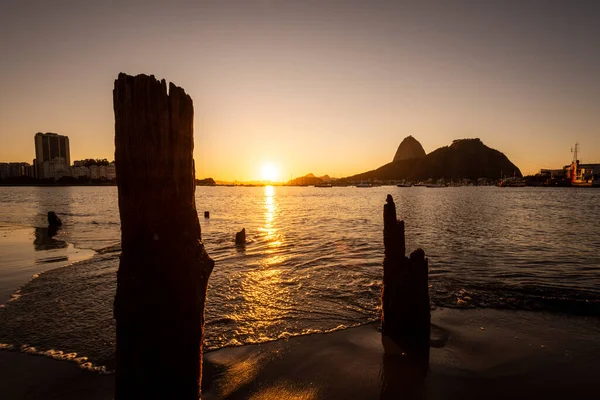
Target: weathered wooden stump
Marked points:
53	219
164	269
405	295
240	237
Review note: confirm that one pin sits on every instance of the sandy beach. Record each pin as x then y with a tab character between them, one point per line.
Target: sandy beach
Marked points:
474	354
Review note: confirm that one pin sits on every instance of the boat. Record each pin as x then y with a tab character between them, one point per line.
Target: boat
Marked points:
323	185
364	185
404	185
583	175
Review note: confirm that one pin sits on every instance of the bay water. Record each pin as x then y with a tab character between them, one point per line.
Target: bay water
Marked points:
313	261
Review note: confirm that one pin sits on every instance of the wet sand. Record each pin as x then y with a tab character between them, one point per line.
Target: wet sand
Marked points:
475	354
27	251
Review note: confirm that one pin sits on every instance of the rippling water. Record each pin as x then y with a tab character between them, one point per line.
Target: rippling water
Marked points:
313	261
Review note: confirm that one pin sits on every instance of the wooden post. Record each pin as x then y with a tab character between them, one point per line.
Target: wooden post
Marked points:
405	295
164	269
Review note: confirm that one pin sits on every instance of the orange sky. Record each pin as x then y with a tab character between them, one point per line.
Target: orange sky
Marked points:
327	87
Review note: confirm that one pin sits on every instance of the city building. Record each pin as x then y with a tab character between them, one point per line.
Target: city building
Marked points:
15	170
80	171
55	169
52	155
111	171
95	171
3	170
103	171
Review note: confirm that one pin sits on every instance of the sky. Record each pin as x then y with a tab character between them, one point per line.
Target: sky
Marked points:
328	87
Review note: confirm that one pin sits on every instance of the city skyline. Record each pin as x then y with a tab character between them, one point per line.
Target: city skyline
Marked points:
322	87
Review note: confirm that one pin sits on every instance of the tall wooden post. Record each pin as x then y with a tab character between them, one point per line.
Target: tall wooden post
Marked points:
164	269
405	295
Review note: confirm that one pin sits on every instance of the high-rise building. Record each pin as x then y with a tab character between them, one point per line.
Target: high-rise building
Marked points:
52	155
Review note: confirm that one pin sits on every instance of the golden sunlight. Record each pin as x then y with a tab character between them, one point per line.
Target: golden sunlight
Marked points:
269	172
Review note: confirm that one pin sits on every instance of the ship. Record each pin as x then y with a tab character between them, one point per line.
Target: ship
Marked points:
583	175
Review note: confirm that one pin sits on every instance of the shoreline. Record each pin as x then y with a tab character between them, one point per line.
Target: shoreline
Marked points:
476	353
27	252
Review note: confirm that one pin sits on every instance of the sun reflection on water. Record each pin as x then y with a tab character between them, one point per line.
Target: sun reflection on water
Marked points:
272	236
266	306
266	299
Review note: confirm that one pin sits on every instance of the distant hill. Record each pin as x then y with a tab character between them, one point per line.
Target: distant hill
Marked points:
464	158
205	182
310	179
409	148
327	178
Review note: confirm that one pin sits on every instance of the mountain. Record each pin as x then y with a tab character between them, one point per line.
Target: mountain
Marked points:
409	148
310	179
326	178
464	158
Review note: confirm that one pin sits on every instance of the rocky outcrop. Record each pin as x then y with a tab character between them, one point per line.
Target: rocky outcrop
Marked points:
409	148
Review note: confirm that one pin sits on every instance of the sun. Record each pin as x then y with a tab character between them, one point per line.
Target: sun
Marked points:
269	172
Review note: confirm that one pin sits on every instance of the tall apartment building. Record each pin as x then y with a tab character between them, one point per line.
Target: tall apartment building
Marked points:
52	155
